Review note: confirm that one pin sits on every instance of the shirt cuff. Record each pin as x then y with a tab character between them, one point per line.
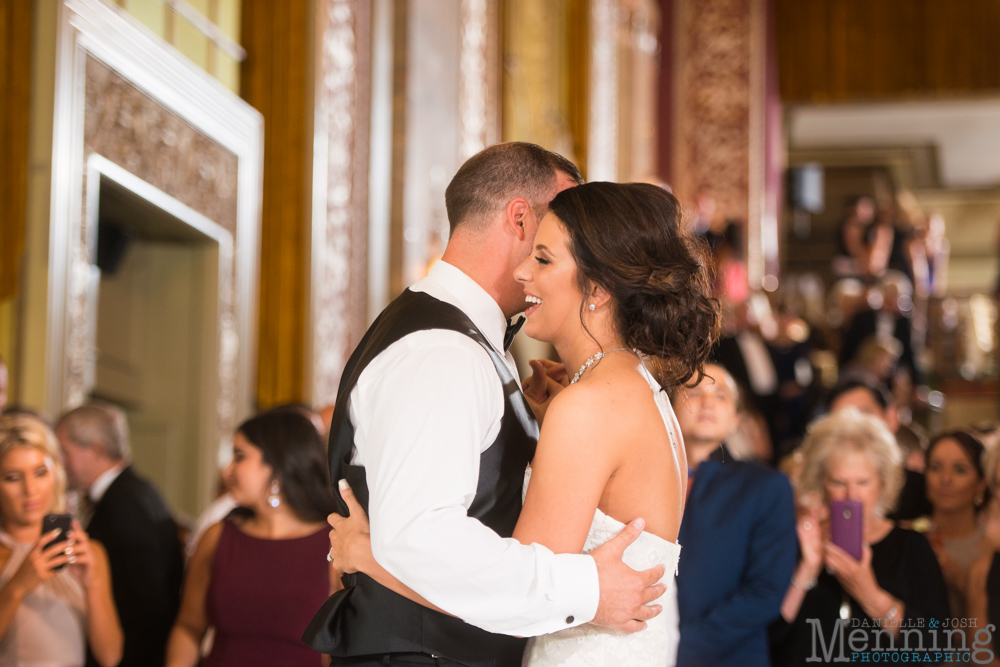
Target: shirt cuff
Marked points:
579	590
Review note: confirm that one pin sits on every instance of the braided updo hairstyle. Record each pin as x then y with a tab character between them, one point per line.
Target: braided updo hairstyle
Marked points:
626	238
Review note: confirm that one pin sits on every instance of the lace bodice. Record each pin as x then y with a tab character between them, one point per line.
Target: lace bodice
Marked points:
593	646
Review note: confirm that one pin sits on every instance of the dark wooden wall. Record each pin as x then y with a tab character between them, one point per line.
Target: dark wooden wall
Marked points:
273	80
15	84
836	50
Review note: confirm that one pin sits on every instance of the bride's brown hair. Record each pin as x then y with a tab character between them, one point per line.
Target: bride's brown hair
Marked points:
626	238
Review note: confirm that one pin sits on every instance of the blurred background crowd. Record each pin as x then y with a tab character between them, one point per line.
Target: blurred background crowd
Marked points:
207	202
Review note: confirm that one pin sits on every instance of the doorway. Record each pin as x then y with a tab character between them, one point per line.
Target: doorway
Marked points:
155	350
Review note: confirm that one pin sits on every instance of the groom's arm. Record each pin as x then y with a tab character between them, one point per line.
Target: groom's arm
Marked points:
423	411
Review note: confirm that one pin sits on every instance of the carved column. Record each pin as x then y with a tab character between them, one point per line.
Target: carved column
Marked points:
478	83
340	191
602	144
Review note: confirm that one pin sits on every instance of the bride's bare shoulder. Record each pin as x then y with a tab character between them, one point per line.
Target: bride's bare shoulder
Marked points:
601	400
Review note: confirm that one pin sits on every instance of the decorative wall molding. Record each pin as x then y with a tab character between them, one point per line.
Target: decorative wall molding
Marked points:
133	130
128	104
340	204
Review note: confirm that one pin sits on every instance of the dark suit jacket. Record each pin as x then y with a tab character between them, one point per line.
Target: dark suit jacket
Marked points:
739	551
864	324
147	564
727	353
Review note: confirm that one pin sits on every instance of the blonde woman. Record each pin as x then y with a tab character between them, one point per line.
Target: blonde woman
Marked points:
54	600
897	583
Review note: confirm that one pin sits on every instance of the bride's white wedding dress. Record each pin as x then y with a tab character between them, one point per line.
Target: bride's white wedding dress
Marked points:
593	645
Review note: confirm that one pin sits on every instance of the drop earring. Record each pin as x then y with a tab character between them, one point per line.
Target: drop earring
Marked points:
274	500
593	307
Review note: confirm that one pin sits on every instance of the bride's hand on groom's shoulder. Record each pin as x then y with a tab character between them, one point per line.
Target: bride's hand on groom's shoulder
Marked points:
548	378
350	539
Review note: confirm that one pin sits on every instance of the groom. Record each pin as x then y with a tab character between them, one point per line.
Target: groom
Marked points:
433	434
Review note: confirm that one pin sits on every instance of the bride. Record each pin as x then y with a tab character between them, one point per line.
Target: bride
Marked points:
624	297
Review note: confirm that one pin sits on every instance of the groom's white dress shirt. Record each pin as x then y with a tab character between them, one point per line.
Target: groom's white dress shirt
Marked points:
423	412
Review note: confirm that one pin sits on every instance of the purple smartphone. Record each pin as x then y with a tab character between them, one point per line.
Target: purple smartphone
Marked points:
846	526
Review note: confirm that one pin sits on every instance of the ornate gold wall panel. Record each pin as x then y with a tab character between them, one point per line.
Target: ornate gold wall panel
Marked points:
712	102
274	81
128	127
831	50
541	71
15	81
726	133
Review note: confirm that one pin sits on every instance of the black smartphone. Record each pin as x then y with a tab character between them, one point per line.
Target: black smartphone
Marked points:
64	522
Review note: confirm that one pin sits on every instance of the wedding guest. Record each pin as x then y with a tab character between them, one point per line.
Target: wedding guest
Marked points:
259	576
957	490
55	597
738	534
743	351
929	252
888	315
851	259
982	594
851	456
132	522
866	396
912	441
870	398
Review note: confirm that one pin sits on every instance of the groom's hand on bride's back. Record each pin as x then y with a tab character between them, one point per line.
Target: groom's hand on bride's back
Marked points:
625	593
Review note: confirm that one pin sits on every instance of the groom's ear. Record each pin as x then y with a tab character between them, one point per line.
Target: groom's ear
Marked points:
517	217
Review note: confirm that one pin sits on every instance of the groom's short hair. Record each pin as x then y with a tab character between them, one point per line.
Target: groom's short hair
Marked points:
492	177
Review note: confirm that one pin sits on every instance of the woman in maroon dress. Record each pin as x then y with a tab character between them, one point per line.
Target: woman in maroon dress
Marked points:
259	576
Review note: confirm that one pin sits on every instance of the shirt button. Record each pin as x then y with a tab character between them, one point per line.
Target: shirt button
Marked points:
570	619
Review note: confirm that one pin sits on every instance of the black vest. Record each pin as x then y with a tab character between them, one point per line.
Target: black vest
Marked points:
368	619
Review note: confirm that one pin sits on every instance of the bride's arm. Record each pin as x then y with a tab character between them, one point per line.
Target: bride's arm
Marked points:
351	549
573	462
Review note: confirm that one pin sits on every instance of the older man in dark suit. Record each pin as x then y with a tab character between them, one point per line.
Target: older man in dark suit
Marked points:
738	536
132	522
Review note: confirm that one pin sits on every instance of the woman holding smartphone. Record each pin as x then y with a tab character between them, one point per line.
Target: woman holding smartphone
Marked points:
897	582
55	596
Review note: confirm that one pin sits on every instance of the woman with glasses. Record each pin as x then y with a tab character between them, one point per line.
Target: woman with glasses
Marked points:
896	584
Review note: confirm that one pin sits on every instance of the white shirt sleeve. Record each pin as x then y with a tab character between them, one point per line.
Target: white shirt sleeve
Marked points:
423	410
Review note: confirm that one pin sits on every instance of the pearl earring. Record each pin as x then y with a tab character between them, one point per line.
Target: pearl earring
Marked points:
593	307
273	500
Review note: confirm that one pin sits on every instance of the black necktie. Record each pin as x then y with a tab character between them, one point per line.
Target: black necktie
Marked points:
512	329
